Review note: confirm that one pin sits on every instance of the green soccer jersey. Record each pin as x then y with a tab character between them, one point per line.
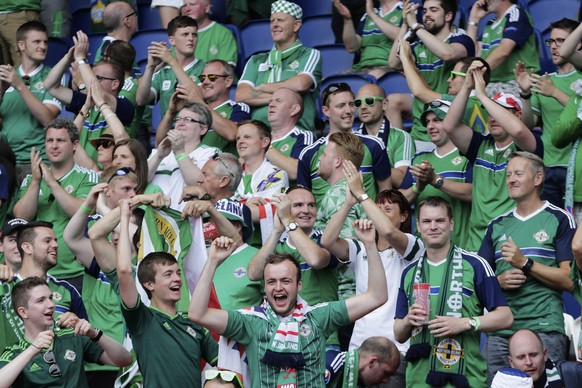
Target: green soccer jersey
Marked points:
399	143
375	45
293	142
164	82
77	182
100	295
544	236
168	349
256	334
129	91
475	117
66	299
20	5
215	41
303	60
233	287
234	111
576	277
20	128
515	24
70	351
549	109
455	167
435	72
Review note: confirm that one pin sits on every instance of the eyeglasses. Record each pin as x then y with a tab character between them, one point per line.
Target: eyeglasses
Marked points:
558	42
296	187
211	77
226	375
123	171
217	157
101	78
437	104
334	88
369	101
131	14
104	143
187	120
457	73
49	358
26	79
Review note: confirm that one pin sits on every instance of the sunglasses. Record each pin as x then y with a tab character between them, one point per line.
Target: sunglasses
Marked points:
334	88
26	79
101	78
369	101
211	77
457	73
187	120
217	157
558	42
104	143
123	171
49	358
226	375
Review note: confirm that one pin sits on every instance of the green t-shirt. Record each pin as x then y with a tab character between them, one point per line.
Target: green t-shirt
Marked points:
216	42
129	91
375	45
233	287
70	351
20	5
168	349
20	128
455	167
399	143
549	109
256	333
234	111
515	24
304	60
77	182
475	117
545	236
164	82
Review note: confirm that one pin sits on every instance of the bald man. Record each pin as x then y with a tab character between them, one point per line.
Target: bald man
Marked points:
285	110
120	22
371	103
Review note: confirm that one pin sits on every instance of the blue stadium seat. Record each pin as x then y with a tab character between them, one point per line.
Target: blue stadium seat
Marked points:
143	39
547	65
218	11
255	37
81	20
76	5
236	32
148	18
394	82
571	305
316	31
315	7
545	12
335	59
94	43
57	48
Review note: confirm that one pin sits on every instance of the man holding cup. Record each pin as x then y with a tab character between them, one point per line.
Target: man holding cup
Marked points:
445	334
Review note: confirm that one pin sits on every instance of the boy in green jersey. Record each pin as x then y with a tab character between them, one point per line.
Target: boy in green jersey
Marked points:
49	357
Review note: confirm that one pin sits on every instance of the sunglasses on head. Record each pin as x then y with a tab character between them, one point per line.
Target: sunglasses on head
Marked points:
211	77
123	171
49	358
436	104
369	101
217	157
334	88
297	187
226	375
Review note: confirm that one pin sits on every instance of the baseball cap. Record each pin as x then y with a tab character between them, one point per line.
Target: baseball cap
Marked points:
511	378
288	8
438	107
508	100
236	211
12	225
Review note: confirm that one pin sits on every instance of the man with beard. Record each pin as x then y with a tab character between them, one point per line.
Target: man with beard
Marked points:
438	46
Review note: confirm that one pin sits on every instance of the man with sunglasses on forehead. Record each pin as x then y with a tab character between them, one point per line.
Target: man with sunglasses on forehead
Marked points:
371	103
222	379
547	95
289	64
338	106
49	357
25	104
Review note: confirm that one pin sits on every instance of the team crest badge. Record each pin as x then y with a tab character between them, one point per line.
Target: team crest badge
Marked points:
223	114
38	86
456	161
240	272
541	236
57	297
507	153
191	331
305	330
285	147
214	50
69	189
166	84
449	352
70	355
294	65
394	19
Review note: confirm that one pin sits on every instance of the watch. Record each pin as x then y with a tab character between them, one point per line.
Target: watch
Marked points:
82	62
527	267
363	197
474	323
438	183
81	86
415	27
98	336
292	226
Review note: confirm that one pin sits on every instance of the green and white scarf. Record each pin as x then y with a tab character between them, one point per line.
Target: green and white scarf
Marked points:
275	61
351	371
446	354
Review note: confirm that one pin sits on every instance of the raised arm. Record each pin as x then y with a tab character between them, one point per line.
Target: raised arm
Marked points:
213	319
113	352
351	39
478	12
27	205
331	239
105	253
107	102
569	49
394	60
416	83
127	287
52	81
197	208
69	203
377	293
144	95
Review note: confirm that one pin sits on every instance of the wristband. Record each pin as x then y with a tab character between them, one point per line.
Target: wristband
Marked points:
181	156
415	27
85	209
81	61
98	336
363	197
472	23
85	114
525	96
527	267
